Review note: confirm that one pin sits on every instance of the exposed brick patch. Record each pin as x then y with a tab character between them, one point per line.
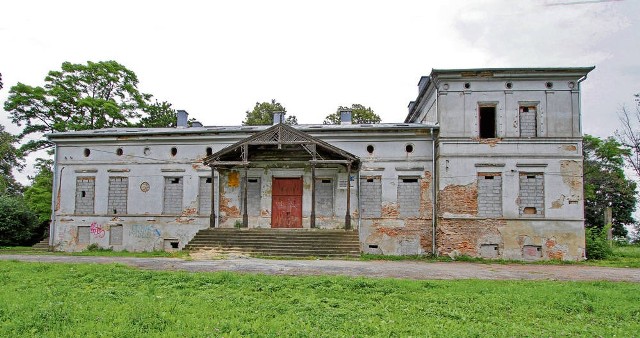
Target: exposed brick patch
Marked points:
459	199
466	236
569	147
426	204
390	210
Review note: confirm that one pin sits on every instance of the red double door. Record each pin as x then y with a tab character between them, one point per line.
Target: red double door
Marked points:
286	202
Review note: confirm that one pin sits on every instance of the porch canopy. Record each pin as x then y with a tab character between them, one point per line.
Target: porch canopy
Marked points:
282	143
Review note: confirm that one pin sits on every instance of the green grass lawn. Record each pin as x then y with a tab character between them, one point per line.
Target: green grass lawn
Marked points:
58	300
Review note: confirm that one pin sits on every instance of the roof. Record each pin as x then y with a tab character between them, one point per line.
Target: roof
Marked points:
110	132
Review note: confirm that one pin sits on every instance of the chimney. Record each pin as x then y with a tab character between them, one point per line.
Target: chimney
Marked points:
345	116
183	117
278	117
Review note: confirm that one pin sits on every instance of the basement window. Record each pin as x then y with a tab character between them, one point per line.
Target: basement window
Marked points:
487	123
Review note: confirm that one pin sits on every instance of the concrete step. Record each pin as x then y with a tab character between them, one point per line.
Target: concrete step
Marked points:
279	242
43	245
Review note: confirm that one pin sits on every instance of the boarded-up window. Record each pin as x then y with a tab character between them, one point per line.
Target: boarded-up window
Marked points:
324	197
172	195
371	196
204	196
409	196
489	195
115	235
531	195
253	196
83	234
85	195
528	121
118	187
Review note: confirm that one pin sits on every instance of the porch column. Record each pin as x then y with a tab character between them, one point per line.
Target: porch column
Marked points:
347	217
245	213
212	218
312	221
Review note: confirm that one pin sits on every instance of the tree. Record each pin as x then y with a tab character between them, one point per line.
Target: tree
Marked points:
359	115
79	97
262	114
10	158
160	115
629	134
605	184
38	195
18	224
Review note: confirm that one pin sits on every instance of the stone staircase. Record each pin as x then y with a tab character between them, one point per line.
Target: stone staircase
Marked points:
278	242
43	245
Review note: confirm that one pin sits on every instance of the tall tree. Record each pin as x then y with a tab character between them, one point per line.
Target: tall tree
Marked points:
605	184
629	134
262	114
78	97
10	158
38	195
359	115
159	115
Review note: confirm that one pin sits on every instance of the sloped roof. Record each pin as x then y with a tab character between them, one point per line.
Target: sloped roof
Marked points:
278	135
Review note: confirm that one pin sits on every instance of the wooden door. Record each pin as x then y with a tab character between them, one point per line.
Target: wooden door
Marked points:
286	203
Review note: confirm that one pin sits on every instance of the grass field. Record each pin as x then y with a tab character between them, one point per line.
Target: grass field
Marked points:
58	300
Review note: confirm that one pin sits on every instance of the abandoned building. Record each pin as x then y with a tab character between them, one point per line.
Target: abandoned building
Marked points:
487	163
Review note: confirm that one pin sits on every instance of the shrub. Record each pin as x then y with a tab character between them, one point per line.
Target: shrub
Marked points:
597	245
18	224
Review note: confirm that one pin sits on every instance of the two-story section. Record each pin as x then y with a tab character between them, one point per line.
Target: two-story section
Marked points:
508	160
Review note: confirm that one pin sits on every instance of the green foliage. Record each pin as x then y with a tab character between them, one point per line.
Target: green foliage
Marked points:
159	115
605	184
359	115
79	97
18	224
598	246
10	158
113	300
38	196
262	114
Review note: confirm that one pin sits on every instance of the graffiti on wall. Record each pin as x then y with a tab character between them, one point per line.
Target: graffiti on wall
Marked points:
144	231
97	230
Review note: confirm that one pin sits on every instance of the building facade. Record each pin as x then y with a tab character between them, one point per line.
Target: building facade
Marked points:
487	163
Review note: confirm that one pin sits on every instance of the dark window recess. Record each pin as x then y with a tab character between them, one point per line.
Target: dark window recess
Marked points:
373	246
410	180
209	151
175	180
174	151
409	148
488	177
115	211
208	180
87	152
253	180
119	152
174	245
531	176
369	180
487	122
525	109
84	194
326	181
370	149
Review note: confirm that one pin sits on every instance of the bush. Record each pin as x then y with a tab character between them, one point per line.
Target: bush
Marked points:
18	224
597	245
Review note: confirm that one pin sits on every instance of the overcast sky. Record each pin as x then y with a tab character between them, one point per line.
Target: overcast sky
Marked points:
216	59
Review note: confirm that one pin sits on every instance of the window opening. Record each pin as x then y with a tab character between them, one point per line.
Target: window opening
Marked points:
87	152
208	180
408	148
119	151
174	151
370	149
488	122
209	151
